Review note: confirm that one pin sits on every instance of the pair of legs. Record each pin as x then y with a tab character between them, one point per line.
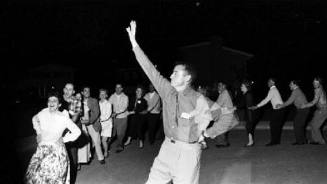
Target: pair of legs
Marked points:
106	132
95	136
72	155
105	144
119	130
222	140
276	126
220	129
84	148
319	117
299	125
178	162
136	129
250	126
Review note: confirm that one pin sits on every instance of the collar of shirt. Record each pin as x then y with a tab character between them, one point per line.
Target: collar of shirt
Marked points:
186	91
104	101
120	95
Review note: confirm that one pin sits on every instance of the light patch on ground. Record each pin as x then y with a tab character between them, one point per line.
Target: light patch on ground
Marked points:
237	173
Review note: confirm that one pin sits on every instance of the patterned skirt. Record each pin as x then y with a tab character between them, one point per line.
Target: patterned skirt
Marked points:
49	164
225	123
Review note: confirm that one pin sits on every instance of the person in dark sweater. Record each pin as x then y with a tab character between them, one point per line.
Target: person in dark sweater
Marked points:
138	119
245	102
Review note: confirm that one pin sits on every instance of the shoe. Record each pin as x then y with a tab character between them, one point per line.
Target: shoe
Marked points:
79	167
118	150
272	144
297	143
128	142
315	143
102	162
141	145
222	145
204	145
106	155
249	145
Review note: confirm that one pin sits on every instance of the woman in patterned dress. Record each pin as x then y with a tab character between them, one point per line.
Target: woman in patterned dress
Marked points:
50	163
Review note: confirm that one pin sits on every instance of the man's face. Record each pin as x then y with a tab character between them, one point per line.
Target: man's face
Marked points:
119	89
179	77
69	90
53	103
103	95
86	92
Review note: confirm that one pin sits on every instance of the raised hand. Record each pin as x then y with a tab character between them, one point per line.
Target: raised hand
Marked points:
131	30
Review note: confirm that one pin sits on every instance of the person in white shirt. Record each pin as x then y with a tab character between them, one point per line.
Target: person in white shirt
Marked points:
50	162
119	102
153	116
105	120
277	115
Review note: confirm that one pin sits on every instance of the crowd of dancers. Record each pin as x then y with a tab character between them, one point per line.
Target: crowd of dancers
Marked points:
72	123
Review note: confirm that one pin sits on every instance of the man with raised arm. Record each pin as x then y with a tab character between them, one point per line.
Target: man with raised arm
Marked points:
179	156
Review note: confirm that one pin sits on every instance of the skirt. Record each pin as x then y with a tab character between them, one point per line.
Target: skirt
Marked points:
49	164
225	123
106	128
84	152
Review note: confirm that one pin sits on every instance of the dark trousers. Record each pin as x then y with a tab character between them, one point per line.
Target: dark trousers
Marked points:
276	125
223	139
153	125
136	127
72	154
119	129
250	126
299	124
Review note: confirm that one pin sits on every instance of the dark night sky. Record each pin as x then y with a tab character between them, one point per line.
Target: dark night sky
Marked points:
287	37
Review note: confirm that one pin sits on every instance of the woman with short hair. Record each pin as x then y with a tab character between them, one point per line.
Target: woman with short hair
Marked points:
50	162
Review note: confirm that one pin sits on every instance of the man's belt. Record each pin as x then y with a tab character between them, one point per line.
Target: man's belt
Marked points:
176	141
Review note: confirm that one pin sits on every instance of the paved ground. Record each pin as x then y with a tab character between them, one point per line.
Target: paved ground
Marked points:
282	164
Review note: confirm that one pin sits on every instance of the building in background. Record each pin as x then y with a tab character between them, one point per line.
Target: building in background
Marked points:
215	62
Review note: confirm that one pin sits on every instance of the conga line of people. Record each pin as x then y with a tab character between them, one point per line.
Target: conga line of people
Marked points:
72	124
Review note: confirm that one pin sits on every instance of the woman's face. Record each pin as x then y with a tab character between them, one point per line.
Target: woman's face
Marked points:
316	84
53	103
103	95
79	96
244	89
139	92
221	87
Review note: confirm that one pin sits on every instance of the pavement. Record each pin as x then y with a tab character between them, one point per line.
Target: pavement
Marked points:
281	164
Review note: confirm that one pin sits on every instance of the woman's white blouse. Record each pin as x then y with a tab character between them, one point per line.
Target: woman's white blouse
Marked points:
51	125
